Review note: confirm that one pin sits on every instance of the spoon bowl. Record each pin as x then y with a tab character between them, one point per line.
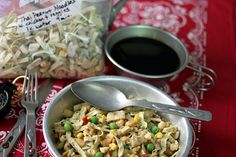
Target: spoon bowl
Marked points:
109	98
98	95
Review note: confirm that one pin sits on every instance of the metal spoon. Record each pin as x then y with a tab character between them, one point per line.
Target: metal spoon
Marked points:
109	98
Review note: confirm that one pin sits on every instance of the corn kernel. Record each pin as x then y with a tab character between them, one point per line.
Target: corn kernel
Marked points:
136	118
132	155
113	131
102	119
113	146
159	135
80	135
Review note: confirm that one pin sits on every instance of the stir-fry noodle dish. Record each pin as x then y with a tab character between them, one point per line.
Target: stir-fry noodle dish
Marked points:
85	131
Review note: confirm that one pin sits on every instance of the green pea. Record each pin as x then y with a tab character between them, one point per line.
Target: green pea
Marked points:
150	125
113	125
68	126
126	146
94	120
150	147
98	154
154	129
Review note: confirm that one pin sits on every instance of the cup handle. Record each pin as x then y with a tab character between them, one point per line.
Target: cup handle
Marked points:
205	72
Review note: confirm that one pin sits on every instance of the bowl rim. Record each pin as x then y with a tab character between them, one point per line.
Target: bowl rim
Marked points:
54	152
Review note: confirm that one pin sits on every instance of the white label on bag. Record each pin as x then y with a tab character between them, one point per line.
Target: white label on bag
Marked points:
42	18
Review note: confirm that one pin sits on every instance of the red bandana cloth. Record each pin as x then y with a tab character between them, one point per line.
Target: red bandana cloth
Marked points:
207	28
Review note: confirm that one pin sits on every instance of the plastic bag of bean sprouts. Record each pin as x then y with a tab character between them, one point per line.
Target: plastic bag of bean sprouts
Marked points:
62	39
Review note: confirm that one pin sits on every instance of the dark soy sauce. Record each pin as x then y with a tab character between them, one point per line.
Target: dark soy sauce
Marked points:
145	56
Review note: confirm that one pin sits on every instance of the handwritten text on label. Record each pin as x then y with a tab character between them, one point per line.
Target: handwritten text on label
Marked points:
48	16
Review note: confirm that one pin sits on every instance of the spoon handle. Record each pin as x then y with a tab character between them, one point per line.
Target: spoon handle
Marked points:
176	110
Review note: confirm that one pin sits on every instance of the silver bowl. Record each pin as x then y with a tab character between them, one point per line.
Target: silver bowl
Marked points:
65	99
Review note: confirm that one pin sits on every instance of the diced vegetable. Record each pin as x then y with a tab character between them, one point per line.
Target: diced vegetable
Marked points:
144	155
159	135
98	154
68	126
85	120
113	131
113	125
94	120
150	147
102	119
154	129
136	118
150	125
80	135
113	146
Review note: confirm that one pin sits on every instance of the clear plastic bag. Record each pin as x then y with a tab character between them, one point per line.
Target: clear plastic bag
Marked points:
71	49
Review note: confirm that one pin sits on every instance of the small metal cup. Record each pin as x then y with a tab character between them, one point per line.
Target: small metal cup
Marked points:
166	38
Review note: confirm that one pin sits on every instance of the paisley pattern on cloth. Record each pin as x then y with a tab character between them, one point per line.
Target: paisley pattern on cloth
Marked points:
186	19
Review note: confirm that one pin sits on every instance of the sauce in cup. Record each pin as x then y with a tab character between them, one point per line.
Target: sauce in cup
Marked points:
145	56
